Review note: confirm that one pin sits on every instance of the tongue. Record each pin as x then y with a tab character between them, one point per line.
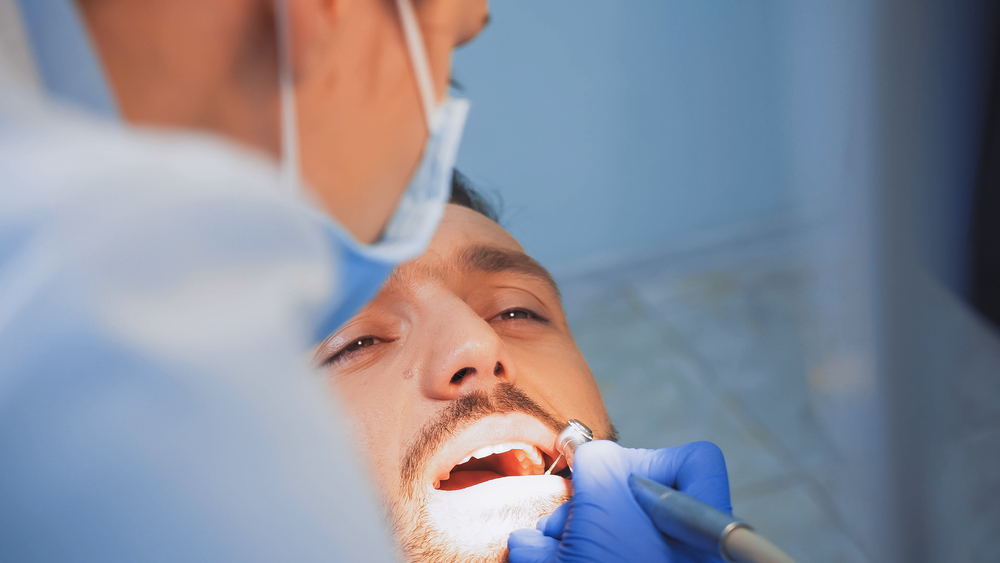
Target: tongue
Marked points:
463	479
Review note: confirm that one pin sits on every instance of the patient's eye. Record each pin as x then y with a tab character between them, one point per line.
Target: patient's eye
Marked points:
351	348
514	314
363	342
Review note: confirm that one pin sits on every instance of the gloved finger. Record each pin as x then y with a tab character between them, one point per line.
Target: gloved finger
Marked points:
552	525
599	465
697	469
531	546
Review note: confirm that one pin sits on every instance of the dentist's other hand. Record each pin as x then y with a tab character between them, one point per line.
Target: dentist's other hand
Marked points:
603	523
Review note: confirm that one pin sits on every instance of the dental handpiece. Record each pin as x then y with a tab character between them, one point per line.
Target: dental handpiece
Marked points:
572	436
682	516
701	525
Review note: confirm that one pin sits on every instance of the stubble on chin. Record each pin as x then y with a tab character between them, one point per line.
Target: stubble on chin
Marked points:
423	540
428	536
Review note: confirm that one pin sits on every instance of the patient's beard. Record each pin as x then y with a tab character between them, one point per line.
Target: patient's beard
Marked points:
422	538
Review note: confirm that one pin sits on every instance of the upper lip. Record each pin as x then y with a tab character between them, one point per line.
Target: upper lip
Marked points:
492	430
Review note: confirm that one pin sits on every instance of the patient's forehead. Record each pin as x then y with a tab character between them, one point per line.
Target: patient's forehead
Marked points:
461	229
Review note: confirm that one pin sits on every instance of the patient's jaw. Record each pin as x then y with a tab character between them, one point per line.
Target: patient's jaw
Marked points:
458	377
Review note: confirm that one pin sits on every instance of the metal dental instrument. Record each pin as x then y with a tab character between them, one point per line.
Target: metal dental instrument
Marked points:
549	470
701	525
573	435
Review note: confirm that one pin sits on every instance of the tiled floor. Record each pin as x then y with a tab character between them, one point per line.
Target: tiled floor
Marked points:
712	344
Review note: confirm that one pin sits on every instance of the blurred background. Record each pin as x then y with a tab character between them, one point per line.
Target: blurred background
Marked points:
775	224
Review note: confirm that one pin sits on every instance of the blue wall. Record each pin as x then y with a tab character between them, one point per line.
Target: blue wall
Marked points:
613	127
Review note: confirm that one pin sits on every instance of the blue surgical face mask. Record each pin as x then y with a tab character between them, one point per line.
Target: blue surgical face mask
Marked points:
363	268
63	57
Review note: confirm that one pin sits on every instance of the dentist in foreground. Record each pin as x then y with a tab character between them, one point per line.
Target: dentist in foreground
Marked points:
168	174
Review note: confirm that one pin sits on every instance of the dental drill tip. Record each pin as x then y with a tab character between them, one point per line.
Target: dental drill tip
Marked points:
549	472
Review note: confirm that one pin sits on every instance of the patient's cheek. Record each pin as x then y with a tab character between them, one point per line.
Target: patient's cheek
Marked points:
574	393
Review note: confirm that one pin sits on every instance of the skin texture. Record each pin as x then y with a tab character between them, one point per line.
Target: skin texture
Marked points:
212	65
394	367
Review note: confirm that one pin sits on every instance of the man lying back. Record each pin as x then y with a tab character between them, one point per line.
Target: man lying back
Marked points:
458	376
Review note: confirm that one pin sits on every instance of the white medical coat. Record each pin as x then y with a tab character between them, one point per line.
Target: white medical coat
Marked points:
158	295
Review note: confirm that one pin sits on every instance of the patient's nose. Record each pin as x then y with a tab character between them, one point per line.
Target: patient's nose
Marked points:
464	355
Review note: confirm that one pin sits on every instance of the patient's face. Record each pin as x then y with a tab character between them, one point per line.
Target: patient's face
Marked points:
458	377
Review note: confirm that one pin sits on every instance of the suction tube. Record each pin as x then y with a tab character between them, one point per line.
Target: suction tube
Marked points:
678	515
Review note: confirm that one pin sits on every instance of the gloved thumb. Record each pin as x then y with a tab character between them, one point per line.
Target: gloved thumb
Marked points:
600	466
531	546
552	524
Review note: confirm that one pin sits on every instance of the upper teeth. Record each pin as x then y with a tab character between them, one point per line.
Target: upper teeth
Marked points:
531	452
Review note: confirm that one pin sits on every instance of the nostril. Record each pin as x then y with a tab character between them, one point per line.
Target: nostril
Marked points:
460	375
498	369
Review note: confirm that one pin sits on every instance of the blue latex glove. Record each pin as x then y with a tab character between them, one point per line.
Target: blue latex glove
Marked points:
603	522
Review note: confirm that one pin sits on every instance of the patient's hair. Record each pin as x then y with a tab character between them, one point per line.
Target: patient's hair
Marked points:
462	193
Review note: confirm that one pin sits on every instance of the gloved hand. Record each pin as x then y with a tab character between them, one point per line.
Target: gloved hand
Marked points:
603	522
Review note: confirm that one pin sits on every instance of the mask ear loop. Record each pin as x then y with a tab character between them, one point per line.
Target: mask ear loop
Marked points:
289	167
418	58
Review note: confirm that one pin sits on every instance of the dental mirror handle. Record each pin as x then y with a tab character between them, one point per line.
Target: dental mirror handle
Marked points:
701	525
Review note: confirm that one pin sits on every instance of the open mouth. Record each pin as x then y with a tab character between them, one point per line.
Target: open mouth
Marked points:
509	459
488	479
495	448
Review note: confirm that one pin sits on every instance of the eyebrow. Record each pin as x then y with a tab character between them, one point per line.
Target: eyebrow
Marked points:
487	259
